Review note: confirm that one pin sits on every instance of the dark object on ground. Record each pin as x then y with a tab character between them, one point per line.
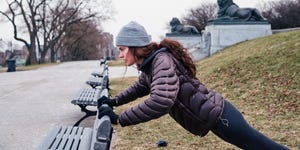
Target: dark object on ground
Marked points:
162	143
11	65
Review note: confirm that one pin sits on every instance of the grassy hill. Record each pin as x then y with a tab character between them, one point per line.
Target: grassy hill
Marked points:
261	77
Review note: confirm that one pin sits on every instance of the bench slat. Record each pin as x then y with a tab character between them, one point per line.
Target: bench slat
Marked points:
87	96
99	81
95	81
51	135
68	138
77	138
86	139
72	135
97	74
58	138
65	138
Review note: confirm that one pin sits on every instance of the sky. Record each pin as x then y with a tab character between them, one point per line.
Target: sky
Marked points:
154	15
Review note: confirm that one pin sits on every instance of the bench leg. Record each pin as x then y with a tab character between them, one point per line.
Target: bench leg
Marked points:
87	114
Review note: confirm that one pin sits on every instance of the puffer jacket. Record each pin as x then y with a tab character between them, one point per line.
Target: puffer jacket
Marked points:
187	100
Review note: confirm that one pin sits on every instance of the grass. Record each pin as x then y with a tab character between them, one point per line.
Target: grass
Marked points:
260	77
118	62
31	67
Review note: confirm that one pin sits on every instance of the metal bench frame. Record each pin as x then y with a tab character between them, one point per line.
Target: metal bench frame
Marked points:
100	73
102	82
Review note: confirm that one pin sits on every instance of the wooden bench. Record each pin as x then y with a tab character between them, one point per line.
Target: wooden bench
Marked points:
101	71
87	97
101	82
84	138
103	62
80	138
67	137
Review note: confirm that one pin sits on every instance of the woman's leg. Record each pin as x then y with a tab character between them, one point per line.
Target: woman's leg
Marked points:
233	128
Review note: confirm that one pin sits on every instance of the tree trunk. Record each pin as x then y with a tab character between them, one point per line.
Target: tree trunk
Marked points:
31	59
32	50
43	55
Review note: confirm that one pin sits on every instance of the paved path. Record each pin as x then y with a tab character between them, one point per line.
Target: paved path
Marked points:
32	102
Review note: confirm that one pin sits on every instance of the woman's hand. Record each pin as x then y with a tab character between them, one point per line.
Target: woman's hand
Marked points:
105	100
107	111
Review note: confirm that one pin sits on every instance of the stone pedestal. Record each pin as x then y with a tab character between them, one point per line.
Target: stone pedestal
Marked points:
224	34
192	43
187	40
198	53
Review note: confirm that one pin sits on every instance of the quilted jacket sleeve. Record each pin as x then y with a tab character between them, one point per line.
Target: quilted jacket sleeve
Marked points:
138	89
163	91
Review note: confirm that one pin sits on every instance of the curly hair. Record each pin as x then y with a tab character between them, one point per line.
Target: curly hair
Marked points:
174	47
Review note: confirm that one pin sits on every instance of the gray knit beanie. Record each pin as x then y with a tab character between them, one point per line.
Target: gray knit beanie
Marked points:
133	34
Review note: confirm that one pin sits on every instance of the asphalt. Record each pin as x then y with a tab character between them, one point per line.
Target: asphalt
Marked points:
32	102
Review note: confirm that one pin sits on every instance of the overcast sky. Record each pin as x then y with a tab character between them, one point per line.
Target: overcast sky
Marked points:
154	15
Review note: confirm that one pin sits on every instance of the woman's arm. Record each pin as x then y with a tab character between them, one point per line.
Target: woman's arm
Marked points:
164	88
138	89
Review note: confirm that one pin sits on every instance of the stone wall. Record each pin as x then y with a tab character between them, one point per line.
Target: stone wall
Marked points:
223	35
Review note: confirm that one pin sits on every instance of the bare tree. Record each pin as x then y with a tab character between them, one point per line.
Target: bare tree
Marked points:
81	42
66	13
282	14
199	17
26	11
49	19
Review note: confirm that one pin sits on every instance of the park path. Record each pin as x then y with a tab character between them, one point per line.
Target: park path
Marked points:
32	102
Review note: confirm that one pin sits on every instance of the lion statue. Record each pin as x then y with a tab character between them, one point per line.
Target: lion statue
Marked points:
178	28
228	10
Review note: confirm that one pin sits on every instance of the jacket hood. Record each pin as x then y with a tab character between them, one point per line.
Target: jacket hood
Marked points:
149	59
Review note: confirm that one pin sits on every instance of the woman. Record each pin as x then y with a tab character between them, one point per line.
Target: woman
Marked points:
169	76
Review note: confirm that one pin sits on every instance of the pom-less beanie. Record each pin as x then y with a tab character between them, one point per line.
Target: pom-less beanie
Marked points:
133	34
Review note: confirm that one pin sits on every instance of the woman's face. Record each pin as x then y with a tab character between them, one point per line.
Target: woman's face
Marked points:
127	55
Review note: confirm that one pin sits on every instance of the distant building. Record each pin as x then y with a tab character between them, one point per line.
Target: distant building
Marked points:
38	54
10	51
107	48
2	58
21	56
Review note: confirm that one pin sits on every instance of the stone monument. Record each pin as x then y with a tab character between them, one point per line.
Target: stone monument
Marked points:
178	28
201	49
188	36
235	24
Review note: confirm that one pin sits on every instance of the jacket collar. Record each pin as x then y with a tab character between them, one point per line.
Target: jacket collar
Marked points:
148	59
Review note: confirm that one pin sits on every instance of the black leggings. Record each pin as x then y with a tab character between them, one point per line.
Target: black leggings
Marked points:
233	128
